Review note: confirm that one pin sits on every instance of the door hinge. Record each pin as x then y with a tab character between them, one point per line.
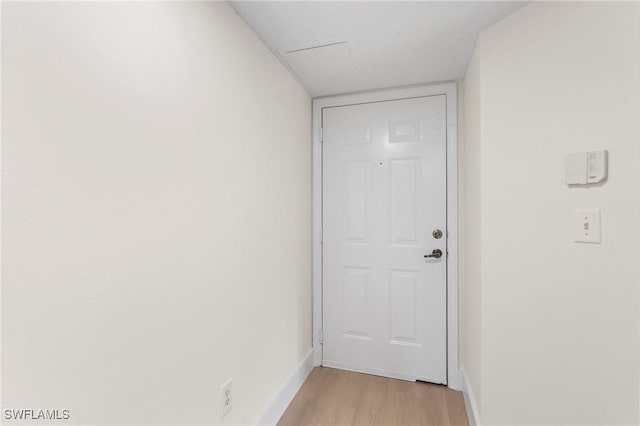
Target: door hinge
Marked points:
321	235
321	336
321	135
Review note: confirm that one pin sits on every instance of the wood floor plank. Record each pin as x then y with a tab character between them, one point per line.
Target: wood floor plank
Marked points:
344	398
299	413
372	393
456	408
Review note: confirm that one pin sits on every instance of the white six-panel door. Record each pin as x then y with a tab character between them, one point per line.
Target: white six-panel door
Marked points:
384	195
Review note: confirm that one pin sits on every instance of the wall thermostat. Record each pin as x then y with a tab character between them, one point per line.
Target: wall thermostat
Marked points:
586	167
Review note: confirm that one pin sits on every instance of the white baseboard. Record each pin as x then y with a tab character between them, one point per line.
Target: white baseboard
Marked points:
285	395
469	399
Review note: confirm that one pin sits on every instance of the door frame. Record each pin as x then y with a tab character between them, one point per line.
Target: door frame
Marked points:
450	91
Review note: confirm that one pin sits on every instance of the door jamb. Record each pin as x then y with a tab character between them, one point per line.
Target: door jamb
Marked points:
450	90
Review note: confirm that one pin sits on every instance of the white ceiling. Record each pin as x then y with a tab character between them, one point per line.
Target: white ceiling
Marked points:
371	45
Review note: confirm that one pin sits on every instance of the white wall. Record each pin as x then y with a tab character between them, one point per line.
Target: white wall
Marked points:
559	320
471	157
156	213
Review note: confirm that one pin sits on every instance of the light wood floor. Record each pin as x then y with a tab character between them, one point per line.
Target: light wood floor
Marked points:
337	397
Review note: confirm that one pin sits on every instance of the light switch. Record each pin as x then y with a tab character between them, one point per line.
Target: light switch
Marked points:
586	226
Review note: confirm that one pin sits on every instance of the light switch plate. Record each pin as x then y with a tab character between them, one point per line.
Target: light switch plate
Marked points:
586	226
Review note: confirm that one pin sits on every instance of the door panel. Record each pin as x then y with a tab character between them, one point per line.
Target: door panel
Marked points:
384	193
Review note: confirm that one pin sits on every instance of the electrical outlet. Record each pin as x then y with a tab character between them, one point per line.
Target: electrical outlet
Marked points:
226	397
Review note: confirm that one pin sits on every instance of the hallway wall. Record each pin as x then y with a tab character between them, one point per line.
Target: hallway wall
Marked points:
470	156
557	320
156	208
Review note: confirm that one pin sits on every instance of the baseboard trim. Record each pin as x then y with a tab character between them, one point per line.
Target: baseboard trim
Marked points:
470	402
285	395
